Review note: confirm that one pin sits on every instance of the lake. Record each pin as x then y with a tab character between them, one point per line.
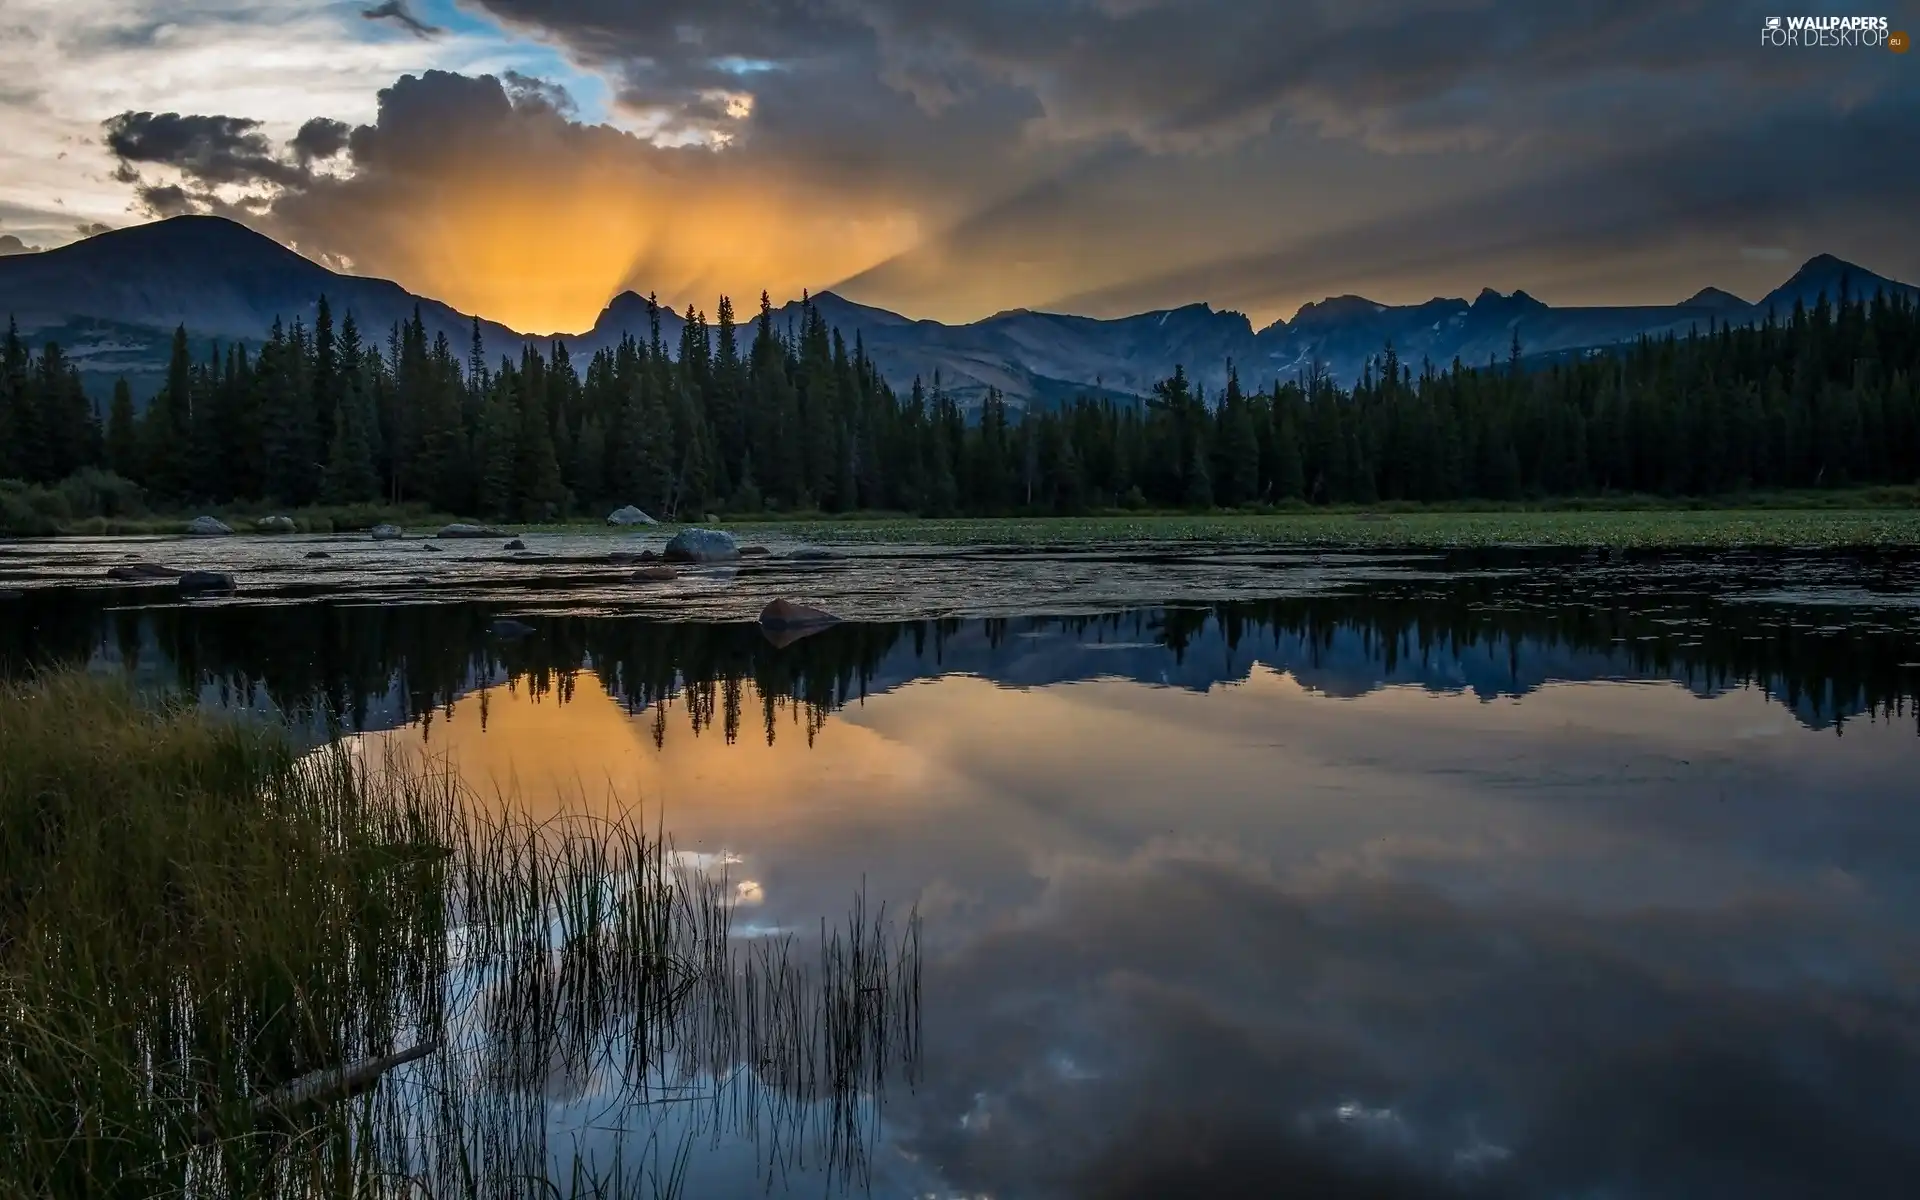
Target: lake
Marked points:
1238	871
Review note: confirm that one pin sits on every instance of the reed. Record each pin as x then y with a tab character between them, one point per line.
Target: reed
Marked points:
227	967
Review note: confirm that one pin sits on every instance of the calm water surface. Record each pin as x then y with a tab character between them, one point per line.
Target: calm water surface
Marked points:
1240	874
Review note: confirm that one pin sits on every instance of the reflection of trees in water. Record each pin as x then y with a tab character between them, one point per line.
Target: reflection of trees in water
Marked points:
370	666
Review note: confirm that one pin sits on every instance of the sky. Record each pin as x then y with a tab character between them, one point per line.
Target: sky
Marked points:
528	159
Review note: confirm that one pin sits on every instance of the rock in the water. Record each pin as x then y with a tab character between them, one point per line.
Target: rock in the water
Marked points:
754	552
515	544
274	525
387	533
810	554
790	614
461	530
623	557
206	581
430	546
507	627
702	546
207	527
629	516
143	573
656	574
318	554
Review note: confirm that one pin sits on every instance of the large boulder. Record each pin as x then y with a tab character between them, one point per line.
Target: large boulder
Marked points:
784	622
629	516
208	527
206	582
461	530
515	544
274	525
791	614
387	533
702	546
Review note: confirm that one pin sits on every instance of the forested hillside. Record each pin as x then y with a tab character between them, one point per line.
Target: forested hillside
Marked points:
746	418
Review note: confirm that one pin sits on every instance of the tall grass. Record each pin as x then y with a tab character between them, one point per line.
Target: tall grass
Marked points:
215	954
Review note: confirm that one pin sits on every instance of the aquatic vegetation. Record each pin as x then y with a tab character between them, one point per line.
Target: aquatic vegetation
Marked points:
228	967
1705	528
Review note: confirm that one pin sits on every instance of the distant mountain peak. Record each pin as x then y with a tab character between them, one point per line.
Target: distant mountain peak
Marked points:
1337	308
1713	297
1517	299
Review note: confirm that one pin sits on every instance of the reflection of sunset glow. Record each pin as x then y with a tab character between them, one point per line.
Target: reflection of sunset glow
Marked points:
544	254
590	754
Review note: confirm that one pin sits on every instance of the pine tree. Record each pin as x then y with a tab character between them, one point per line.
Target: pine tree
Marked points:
350	477
168	424
123	434
1239	446
499	448
1289	475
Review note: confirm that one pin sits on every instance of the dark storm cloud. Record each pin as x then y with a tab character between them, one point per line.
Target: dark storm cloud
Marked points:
397	12
1802	180
1190	75
210	150
320	138
1186	1021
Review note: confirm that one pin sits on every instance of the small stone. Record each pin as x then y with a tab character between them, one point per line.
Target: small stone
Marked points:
623	557
515	544
208	527
318	554
810	554
206	581
430	546
658	574
387	533
507	627
754	552
274	524
629	516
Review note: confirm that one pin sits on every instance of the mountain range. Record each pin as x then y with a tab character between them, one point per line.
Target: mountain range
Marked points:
113	300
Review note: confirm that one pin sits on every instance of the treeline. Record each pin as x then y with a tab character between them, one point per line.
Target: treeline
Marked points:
764	417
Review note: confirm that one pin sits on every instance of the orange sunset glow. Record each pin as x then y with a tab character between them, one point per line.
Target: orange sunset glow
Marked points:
545	254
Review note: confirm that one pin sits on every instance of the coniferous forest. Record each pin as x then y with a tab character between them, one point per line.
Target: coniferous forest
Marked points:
770	417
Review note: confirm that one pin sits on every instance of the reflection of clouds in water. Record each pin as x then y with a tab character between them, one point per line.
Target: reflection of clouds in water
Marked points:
1369	1037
